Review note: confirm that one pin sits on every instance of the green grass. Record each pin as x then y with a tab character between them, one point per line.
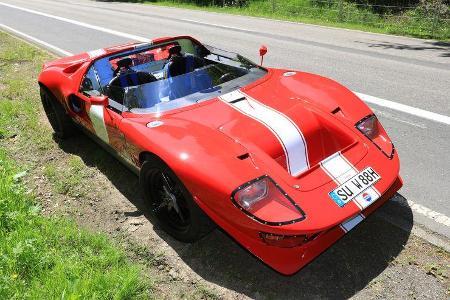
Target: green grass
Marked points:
70	180
47	257
202	292
19	64
413	22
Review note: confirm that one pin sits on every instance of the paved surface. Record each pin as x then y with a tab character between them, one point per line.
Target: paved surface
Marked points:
405	70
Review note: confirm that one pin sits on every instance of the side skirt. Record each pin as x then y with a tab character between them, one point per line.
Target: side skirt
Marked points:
109	149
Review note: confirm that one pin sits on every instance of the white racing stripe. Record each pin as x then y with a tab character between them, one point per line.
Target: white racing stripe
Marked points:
351	223
340	170
280	125
98	122
94	53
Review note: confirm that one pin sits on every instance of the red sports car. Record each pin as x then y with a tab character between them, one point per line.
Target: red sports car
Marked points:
284	161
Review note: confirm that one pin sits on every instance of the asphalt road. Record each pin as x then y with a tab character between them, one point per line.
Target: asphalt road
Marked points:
405	70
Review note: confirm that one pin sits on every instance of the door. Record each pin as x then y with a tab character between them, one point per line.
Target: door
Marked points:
103	120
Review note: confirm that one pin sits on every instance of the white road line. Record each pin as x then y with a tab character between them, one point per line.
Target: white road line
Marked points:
82	24
425	211
391	116
367	98
217	25
405	108
38	41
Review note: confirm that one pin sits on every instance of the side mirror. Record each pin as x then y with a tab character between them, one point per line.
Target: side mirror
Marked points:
99	100
86	84
262	52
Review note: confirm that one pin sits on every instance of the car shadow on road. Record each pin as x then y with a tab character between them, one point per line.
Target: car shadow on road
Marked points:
340	272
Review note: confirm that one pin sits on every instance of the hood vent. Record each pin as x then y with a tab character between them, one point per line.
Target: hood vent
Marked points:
243	156
336	110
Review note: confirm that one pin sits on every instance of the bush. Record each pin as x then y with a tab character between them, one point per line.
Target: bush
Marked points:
237	3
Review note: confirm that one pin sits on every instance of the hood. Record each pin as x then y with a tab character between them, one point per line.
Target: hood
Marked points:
283	129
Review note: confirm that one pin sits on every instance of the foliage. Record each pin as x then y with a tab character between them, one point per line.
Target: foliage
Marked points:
418	18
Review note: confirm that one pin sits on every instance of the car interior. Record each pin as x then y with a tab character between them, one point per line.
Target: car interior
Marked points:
153	76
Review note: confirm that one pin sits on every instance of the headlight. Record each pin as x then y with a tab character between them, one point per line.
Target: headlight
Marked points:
372	129
368	126
263	200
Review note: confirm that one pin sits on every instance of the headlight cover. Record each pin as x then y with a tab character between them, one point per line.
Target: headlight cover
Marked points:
371	128
264	201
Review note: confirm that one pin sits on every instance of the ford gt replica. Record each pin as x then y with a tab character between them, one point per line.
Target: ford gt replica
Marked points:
284	161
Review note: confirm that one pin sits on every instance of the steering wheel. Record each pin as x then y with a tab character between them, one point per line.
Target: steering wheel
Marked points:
227	77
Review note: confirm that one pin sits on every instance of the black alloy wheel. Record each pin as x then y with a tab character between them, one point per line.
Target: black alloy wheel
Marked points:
168	200
60	121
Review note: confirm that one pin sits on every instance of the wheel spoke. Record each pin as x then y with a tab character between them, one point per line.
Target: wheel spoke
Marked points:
173	198
166	181
169	203
160	206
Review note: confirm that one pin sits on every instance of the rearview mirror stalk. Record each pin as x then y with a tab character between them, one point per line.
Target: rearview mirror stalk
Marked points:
262	52
99	100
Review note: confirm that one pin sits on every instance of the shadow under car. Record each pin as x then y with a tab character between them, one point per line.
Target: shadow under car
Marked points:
340	272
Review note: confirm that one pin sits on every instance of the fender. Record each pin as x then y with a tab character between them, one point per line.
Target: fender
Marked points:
323	92
192	157
62	77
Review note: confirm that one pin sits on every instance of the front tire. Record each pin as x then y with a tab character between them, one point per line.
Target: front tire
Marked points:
168	200
60	121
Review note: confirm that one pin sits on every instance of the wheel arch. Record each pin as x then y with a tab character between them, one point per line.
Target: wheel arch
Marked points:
147	155
48	90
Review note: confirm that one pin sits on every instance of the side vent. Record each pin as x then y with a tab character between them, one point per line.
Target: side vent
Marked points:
73	67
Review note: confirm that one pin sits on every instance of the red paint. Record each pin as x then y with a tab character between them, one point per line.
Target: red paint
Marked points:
202	142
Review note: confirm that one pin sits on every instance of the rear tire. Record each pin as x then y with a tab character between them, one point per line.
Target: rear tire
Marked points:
60	121
161	188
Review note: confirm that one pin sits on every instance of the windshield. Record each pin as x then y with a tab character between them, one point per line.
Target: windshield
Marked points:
173	75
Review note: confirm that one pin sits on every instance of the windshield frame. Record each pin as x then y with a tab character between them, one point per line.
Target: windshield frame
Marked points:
205	49
252	73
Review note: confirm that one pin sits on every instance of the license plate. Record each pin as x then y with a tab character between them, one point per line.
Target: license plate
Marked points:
353	187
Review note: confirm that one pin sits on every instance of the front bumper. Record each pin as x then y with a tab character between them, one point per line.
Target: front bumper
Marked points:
288	261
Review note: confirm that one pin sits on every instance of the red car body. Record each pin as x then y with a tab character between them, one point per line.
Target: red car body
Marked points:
215	147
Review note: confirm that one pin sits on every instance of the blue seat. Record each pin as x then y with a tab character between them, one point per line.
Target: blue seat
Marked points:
182	78
128	79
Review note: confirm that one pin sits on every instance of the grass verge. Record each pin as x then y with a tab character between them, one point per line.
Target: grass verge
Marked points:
415	22
47	257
